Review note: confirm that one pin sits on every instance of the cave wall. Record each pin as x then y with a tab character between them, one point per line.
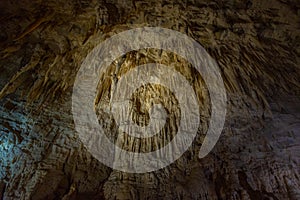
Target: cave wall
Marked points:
256	45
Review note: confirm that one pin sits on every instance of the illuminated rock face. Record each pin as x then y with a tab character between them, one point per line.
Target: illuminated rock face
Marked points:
256	45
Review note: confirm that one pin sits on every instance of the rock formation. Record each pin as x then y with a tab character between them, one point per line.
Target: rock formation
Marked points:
256	45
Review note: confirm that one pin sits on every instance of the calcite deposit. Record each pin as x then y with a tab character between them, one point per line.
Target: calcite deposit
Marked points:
256	45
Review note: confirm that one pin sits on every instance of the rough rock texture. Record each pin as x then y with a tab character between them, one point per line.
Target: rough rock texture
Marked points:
256	44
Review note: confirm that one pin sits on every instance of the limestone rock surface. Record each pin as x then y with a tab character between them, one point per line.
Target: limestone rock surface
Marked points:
256	45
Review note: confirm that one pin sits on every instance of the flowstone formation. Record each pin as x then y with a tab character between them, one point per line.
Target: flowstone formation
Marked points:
256	45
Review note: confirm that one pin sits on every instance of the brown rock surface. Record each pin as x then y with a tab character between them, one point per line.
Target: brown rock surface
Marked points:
256	44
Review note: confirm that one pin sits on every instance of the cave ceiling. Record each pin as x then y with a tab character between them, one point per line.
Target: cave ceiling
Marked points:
256	46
